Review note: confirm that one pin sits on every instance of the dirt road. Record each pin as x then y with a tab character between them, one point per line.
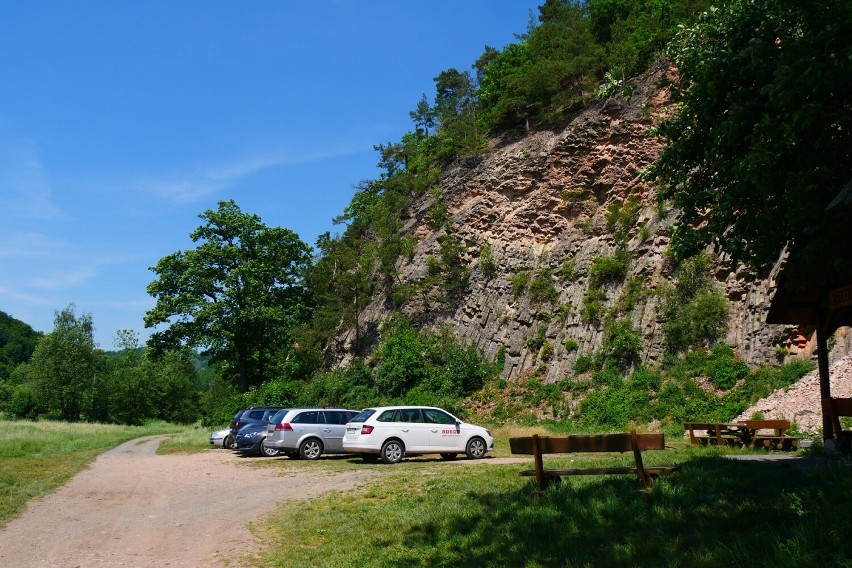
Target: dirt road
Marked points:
134	508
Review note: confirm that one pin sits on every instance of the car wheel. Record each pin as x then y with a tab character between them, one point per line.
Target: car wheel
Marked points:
449	456
475	448
310	449
392	451
267	451
229	442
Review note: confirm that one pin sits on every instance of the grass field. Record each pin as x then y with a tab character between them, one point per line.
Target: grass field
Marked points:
712	512
425	512
38	457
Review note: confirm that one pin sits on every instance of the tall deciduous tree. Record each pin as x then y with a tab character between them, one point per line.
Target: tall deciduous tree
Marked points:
761	140
62	368
238	294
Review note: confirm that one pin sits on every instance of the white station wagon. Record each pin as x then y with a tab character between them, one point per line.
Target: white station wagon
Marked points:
393	432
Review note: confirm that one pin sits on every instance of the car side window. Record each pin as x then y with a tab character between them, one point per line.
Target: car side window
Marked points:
389	416
438	417
255	414
309	417
335	417
411	415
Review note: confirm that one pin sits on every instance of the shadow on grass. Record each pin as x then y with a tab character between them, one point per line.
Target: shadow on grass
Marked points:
711	512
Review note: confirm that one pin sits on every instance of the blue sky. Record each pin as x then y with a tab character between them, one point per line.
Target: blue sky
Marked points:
121	122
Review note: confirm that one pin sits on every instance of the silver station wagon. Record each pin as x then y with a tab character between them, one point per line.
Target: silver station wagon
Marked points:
308	433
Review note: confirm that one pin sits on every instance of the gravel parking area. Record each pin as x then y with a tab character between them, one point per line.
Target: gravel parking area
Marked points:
135	508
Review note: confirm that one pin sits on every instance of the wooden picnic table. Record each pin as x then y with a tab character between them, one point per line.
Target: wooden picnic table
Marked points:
720	433
745	434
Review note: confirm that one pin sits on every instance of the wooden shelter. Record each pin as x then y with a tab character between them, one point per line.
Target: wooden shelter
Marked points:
825	306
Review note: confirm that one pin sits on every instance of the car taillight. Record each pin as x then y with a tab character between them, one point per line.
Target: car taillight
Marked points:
365	429
285	426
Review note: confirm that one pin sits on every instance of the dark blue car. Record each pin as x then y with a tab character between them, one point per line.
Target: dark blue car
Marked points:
250	440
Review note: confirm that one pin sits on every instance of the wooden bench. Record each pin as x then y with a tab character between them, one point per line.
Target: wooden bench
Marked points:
775	441
538	446
715	433
834	408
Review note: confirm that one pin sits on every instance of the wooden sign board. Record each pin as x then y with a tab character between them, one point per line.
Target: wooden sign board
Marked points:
840	297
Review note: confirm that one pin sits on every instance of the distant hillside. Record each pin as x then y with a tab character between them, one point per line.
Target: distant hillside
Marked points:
17	343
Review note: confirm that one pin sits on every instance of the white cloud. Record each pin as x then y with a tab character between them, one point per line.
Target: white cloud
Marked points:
31	245
62	279
26	191
17	297
195	187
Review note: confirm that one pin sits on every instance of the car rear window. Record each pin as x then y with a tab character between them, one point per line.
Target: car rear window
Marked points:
278	416
364	415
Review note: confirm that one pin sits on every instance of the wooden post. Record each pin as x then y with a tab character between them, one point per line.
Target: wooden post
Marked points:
822	364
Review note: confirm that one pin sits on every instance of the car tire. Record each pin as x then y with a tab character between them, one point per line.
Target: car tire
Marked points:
475	448
267	451
392	451
310	449
229	442
449	456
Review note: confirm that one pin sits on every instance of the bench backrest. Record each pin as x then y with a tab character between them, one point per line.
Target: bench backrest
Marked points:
768	424
701	425
586	443
835	408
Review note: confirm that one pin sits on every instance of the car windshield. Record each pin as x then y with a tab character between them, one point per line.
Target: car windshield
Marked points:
364	415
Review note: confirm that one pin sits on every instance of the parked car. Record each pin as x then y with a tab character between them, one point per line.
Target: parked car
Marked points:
393	432
253	415
308	433
222	438
251	438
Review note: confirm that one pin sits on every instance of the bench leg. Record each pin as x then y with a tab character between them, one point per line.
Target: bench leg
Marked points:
644	478
540	477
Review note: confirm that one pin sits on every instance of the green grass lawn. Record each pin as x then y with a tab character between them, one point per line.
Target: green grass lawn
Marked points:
38	457
711	512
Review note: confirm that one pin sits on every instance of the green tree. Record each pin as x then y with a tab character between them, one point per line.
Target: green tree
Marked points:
761	140
455	110
17	343
62	368
239	294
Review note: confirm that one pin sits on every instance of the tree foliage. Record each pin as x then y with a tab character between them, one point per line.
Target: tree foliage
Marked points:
239	294
761	141
63	365
17	343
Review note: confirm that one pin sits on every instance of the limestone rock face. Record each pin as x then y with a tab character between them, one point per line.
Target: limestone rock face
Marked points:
540	203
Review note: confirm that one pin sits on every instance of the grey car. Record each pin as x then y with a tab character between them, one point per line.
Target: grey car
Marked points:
308	433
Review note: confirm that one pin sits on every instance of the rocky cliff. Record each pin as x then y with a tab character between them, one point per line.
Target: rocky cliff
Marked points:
542	205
